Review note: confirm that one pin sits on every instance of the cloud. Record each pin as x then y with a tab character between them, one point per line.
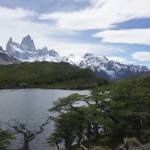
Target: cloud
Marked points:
120	59
17	25
131	36
141	56
19	22
65	47
18	13
101	14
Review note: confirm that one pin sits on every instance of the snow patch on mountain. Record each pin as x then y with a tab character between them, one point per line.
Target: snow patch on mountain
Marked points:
72	59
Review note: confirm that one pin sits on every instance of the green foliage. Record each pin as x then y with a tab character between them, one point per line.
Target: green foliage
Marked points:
48	75
81	121
68	128
111	112
66	103
130	104
5	138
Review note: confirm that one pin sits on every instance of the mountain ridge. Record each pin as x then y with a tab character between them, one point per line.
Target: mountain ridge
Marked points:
102	66
27	52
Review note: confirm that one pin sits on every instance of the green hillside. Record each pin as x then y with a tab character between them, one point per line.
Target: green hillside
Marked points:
47	75
115	117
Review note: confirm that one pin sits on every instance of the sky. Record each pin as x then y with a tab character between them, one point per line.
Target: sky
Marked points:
117	29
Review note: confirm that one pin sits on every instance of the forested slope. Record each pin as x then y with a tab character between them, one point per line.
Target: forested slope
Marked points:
48	75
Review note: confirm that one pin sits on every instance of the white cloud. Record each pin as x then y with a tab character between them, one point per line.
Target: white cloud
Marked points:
18	13
120	59
64	47
131	36
16	25
101	14
141	56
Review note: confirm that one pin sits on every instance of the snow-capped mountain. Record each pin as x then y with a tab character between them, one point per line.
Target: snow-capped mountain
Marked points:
26	51
5	59
102	66
105	68
72	59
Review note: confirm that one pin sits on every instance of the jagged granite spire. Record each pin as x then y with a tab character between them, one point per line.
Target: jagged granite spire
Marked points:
9	47
1	49
28	44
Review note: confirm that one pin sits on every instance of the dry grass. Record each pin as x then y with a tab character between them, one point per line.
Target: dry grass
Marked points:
99	148
131	142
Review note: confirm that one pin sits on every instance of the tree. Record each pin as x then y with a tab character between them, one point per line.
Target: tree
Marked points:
115	111
28	135
69	127
130	105
78	122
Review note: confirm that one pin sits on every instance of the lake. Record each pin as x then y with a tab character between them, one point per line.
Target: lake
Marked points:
31	106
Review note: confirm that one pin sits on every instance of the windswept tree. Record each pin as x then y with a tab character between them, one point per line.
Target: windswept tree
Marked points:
69	128
28	135
69	122
80	118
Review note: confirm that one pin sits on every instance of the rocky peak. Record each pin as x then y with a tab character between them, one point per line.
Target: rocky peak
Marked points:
88	55
10	40
5	59
9	47
1	49
53	53
72	59
28	44
105	58
45	49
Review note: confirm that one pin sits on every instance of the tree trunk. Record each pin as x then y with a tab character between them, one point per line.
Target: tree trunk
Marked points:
96	131
79	140
67	144
79	135
26	145
57	145
89	131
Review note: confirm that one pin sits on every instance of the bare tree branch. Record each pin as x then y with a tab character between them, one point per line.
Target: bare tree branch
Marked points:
27	134
83	146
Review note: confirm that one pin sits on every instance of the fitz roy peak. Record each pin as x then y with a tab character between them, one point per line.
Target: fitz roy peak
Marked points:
26	51
28	44
102	66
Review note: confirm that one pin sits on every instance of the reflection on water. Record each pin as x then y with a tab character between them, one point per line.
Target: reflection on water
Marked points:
30	106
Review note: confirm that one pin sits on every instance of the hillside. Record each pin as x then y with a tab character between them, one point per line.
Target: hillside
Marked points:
47	75
116	119
142	76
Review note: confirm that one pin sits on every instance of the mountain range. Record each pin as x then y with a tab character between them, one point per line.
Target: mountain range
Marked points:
26	52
